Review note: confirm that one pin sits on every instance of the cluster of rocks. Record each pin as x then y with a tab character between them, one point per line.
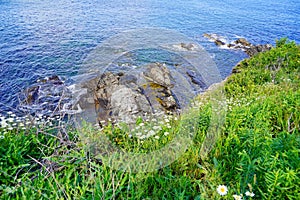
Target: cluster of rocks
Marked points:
240	43
124	96
121	96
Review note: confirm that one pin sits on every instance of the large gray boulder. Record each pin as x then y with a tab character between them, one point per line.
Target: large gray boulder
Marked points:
124	97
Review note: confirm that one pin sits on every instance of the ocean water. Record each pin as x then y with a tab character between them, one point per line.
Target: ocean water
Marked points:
44	38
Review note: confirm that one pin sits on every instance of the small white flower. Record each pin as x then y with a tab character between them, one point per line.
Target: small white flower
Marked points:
10	128
167	120
156	137
142	137
21	124
141	124
222	190
250	194
151	133
237	197
9	112
166	133
4	124
169	126
156	127
11	120
138	134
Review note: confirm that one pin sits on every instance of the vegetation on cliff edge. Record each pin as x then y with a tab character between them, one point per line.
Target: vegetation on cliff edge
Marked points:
256	153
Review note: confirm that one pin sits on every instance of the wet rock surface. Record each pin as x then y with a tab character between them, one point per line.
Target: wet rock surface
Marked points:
48	95
241	44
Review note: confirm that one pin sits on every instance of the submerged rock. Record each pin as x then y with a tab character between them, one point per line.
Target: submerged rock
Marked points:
49	94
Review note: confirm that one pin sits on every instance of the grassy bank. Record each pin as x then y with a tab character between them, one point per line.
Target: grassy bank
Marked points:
256	151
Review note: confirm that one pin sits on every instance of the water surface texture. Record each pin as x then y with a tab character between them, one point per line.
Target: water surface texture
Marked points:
43	38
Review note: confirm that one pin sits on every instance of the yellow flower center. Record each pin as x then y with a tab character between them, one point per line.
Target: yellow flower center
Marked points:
222	189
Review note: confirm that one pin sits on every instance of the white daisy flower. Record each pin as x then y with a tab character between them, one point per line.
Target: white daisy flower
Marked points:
166	133
237	197
156	137
4	124
222	190
250	194
138	134
153	120
142	137
151	133
11	120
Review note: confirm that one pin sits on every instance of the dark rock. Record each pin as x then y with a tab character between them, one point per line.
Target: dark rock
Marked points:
231	45
195	79
188	47
219	42
47	94
253	50
243	42
32	94
52	79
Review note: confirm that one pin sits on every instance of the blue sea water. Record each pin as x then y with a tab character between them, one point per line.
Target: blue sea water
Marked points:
43	38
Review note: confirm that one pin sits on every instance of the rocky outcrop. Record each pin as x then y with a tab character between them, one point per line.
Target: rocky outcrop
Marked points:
241	44
124	97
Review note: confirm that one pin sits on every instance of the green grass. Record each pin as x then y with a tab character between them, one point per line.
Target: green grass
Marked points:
257	149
